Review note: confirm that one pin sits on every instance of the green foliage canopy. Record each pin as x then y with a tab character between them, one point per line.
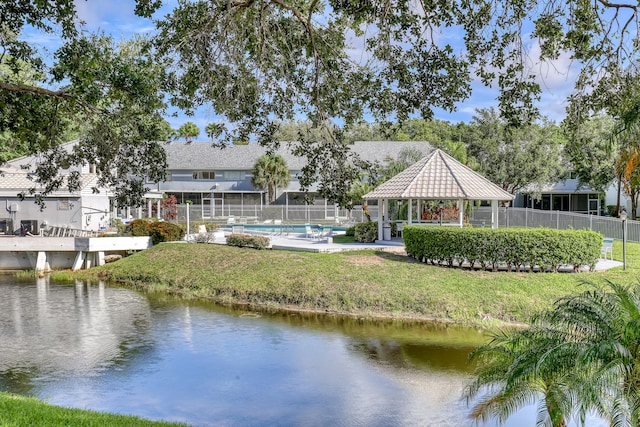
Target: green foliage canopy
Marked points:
111	91
261	62
589	148
515	158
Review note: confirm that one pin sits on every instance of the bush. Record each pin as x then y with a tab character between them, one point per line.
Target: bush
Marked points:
140	227
248	241
366	232
351	231
546	249
161	231
208	237
210	226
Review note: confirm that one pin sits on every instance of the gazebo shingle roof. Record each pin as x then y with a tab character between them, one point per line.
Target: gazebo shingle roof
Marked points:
441	177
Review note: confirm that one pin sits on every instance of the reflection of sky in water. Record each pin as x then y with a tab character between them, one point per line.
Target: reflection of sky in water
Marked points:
113	350
75	329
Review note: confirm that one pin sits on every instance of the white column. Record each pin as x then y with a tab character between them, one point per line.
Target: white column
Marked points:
461	212
149	208
409	211
380	210
494	214
79	261
386	210
158	209
41	261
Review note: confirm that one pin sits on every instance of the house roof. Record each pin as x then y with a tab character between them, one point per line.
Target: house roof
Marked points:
20	164
12	183
441	177
204	156
567	186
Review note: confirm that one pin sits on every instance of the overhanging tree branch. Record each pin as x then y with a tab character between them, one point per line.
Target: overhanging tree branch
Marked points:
17	88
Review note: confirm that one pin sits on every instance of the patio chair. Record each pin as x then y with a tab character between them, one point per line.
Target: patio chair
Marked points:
231	219
327	231
607	248
309	233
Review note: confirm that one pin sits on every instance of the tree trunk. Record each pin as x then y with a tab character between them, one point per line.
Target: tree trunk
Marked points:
617	212
270	193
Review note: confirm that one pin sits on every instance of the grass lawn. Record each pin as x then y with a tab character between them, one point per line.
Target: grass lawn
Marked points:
365	283
25	411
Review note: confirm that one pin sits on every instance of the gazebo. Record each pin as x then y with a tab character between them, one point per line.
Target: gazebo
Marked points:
437	176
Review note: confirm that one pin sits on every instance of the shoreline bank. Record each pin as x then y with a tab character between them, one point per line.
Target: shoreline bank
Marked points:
377	285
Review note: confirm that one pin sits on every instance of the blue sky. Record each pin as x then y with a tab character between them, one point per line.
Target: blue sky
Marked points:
116	17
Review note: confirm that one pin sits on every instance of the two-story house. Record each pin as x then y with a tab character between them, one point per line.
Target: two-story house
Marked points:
217	181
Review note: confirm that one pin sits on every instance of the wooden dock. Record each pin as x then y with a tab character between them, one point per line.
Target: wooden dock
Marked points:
48	253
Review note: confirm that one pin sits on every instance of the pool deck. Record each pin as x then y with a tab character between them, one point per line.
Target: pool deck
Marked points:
300	243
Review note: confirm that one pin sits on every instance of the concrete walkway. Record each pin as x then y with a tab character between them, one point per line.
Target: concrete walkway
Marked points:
605	264
300	243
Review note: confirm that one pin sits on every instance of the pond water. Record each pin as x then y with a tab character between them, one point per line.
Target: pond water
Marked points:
116	350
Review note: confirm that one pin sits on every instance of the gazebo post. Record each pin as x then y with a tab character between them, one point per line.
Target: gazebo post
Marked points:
385	216
380	213
410	211
461	212
494	214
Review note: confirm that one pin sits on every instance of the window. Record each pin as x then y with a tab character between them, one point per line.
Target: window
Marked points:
571	175
208	175
233	175
64	205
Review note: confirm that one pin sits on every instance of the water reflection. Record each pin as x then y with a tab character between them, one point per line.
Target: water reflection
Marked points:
50	332
111	349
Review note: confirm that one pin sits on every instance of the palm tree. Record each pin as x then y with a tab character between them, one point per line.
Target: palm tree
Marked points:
628	169
213	130
188	130
509	375
270	172
583	355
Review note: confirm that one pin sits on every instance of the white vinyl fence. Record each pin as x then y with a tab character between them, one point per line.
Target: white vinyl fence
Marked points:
532	218
507	217
288	214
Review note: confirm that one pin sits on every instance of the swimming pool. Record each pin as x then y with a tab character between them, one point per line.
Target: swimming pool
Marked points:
284	228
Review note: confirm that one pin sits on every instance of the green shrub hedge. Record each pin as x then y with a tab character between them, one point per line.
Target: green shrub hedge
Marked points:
248	241
160	231
139	227
366	232
543	248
